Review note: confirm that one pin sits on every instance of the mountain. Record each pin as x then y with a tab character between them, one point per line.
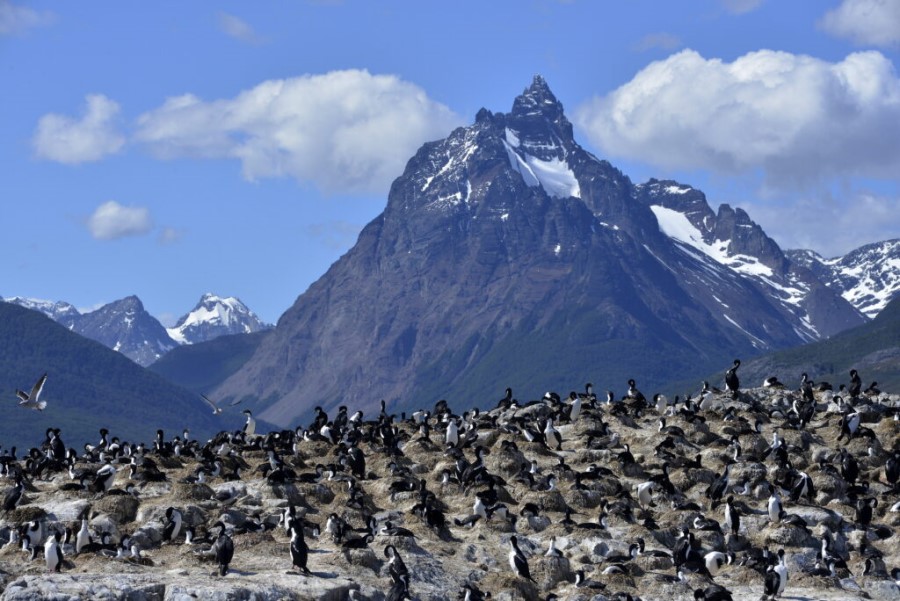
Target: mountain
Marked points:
59	311
868	277
88	387
125	326
216	316
202	366
507	255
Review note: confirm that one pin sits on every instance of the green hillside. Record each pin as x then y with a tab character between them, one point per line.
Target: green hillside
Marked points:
872	348
88	387
201	367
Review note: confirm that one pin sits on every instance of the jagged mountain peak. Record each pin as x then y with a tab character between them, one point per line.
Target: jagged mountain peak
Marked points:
124	325
59	311
867	277
537	100
214	316
506	246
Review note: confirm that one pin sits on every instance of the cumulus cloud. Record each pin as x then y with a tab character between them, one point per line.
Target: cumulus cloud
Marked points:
864	22
237	28
850	222
111	221
797	119
15	19
344	131
71	141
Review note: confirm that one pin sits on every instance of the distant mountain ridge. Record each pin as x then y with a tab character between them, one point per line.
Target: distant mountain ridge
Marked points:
868	277
125	326
508	254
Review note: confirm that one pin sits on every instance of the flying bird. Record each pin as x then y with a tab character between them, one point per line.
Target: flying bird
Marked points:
215	408
32	400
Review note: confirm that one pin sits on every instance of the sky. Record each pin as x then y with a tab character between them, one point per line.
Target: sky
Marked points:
169	149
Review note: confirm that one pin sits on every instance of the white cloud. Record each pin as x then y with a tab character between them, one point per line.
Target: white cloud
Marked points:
112	220
344	131
848	223
797	119
237	28
15	19
740	7
71	141
865	22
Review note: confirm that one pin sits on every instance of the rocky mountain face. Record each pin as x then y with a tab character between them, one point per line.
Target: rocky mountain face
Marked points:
215	316
508	254
868	277
125	326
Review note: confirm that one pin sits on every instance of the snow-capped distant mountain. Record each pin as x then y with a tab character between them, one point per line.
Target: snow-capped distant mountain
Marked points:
868	277
216	316
732	240
59	311
125	326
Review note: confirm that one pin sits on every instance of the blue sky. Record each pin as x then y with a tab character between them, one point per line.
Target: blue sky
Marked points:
168	149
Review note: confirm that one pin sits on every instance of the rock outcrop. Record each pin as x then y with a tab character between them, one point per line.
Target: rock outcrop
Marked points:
582	496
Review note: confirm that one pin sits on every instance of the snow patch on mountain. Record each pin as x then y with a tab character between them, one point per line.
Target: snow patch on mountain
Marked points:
215	316
59	311
677	226
553	175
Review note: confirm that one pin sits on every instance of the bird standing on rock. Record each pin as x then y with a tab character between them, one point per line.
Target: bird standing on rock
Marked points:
299	550
517	560
223	549
53	554
732	383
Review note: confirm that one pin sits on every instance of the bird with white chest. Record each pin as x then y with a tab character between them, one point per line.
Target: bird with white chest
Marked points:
53	554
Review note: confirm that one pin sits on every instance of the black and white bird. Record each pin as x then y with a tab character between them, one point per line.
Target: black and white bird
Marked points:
517	559
53	553
714	560
31	400
552	435
732	383
732	516
713	592
172	529
776	577
249	424
774	505
13	495
223	549
83	538
104	478
634	393
299	550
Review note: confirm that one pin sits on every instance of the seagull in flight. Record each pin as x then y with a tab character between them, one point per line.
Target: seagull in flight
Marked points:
216	409
30	400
